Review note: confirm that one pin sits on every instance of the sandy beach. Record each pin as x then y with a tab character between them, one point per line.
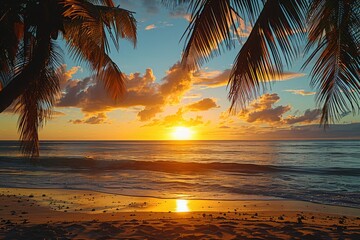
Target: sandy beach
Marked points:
73	214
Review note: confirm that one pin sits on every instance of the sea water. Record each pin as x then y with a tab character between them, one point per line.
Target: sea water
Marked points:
318	171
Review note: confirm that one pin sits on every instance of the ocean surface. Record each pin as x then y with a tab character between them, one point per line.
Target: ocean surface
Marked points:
318	171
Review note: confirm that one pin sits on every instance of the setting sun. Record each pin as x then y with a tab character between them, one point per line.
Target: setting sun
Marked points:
182	205
181	133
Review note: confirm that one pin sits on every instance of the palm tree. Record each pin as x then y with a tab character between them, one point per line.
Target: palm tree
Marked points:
30	59
279	29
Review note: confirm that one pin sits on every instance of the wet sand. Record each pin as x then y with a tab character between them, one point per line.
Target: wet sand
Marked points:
73	214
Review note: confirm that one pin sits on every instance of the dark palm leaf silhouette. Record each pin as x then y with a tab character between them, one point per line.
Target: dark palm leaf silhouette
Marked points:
279	27
30	60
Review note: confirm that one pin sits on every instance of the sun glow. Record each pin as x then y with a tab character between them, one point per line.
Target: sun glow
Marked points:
181	133
182	205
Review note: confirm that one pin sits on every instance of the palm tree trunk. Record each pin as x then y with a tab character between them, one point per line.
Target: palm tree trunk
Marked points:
23	80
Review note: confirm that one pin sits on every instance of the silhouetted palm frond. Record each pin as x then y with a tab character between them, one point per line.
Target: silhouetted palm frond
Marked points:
92	44
36	104
334	42
29	61
275	38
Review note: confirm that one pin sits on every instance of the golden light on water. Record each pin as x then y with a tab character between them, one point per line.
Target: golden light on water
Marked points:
181	133
182	205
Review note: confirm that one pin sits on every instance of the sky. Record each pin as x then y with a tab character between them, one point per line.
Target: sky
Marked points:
162	96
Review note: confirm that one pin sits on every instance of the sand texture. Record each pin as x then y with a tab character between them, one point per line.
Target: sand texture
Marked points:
67	214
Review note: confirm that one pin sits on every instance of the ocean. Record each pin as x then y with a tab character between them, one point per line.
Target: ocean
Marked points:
325	172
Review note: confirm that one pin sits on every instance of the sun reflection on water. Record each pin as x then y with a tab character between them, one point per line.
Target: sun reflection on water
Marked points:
182	205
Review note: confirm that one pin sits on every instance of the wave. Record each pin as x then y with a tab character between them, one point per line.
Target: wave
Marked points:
91	164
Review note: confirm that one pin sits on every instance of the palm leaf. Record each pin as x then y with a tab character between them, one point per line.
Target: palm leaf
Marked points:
275	38
36	103
92	44
334	40
210	31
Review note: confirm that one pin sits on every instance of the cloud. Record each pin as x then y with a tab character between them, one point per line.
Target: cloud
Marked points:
176	83
308	117
150	6
99	118
243	30
149	112
215	79
300	92
262	110
177	119
150	27
202	105
67	74
180	12
302	132
211	79
286	76
142	90
191	96
314	131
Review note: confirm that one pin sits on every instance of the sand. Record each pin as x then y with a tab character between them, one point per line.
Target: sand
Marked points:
73	214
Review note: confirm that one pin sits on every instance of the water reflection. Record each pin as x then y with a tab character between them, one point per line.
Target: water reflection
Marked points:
182	205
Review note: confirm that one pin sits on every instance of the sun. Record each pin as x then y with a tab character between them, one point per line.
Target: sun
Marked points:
181	133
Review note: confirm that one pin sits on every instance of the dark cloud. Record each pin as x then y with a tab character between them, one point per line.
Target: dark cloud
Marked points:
263	111
211	79
315	131
150	6
308	117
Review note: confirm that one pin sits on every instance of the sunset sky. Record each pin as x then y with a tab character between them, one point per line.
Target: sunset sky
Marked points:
162	96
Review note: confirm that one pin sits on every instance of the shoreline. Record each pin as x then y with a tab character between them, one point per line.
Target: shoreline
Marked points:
52	213
261	198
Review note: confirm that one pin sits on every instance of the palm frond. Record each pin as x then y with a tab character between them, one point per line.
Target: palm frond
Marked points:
210	31
92	45
94	19
82	48
109	3
248	9
36	103
275	38
334	39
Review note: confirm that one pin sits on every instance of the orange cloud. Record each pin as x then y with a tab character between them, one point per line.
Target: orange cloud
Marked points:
202	105
177	119
286	76
67	74
149	112
176	83
150	27
142	90
99	118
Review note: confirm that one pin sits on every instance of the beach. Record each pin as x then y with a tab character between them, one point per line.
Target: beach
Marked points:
181	190
77	214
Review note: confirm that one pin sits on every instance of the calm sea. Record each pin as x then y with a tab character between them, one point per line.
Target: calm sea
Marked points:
317	171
